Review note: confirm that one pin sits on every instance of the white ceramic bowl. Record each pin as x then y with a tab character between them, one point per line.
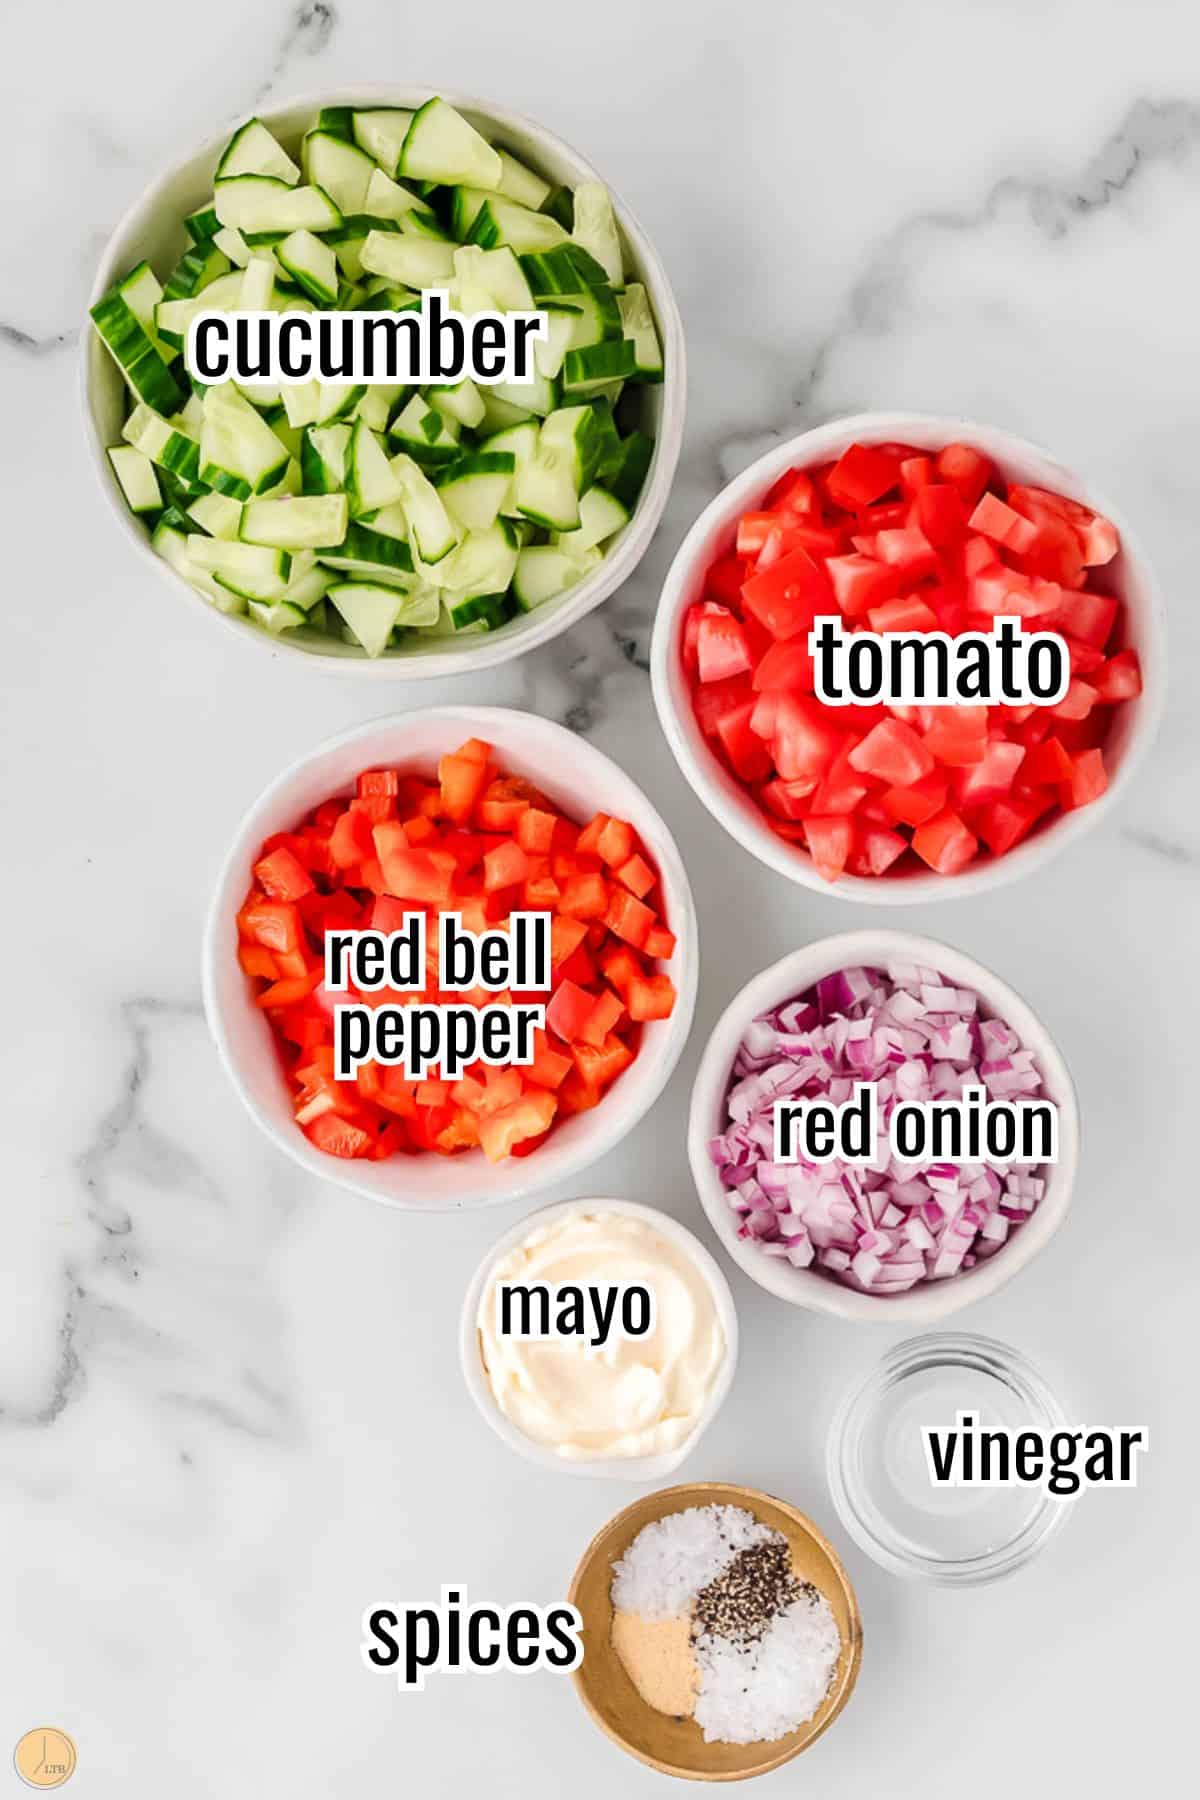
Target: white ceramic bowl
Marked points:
580	780
153	228
792	975
1134	724
624	1468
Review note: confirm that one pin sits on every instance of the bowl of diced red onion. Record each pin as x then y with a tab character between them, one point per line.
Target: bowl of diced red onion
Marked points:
895	1242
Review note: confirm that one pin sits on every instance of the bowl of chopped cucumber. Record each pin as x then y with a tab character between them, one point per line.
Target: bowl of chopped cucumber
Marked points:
402	532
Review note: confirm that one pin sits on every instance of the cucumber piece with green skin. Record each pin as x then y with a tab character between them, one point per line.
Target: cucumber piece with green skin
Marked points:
476	487
323	458
637	323
246	569
519	442
563	270
338	400
369	610
171	544
537	395
545	490
588	371
195	271
412	262
371	554
371	480
423	225
607	442
379	402
467	610
172	317
230	242
490	281
600	515
422	608
462	403
595	230
127	342
217	514
302	403
430	527
203	224
502	415
425	434
483	563
280	616
381	131
501	221
141	292
560	205
239	453
258	204
624	470
599	316
337	121
387	199
253	151
309	587
311	263
301	522
561	323
521	184
167	447
289	435
136	478
339	169
465	204
441	146
543	572
257	292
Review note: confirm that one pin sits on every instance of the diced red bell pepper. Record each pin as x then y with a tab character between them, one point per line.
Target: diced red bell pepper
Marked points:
651	997
628	919
462	781
505	866
568	1011
585	897
616	843
282	875
637	875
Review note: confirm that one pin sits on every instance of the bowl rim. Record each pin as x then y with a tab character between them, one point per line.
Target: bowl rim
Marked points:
629	1468
729	1493
650	1073
731	809
546	623
928	1301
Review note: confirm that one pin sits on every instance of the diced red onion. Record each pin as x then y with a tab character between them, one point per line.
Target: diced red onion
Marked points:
884	1225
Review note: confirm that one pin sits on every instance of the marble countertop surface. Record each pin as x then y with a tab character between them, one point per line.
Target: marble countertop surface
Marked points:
231	1413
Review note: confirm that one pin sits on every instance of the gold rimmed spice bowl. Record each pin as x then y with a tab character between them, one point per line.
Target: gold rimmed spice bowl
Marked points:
677	1746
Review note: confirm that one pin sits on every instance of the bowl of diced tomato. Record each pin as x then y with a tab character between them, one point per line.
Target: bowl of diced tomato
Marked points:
905	524
482	812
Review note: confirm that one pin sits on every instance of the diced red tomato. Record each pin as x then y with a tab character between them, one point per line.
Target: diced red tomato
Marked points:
1118	679
892	753
860	476
829	841
787	597
945	843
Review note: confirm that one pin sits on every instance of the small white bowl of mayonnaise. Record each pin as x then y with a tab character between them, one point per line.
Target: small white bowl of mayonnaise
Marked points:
618	1401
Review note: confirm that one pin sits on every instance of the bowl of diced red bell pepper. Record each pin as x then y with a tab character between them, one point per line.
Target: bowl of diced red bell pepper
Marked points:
482	812
905	524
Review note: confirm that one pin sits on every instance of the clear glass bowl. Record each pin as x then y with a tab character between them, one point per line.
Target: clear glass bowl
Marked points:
879	1477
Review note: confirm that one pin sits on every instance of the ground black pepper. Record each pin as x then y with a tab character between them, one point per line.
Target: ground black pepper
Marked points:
756	1587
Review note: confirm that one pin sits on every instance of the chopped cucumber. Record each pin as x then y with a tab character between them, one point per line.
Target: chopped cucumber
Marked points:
441	146
246	569
600	515
239	453
253	151
381	132
521	184
414	262
431	528
309	262
300	522
339	169
260	204
637	323
443	509
476	487
595	230
136	477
